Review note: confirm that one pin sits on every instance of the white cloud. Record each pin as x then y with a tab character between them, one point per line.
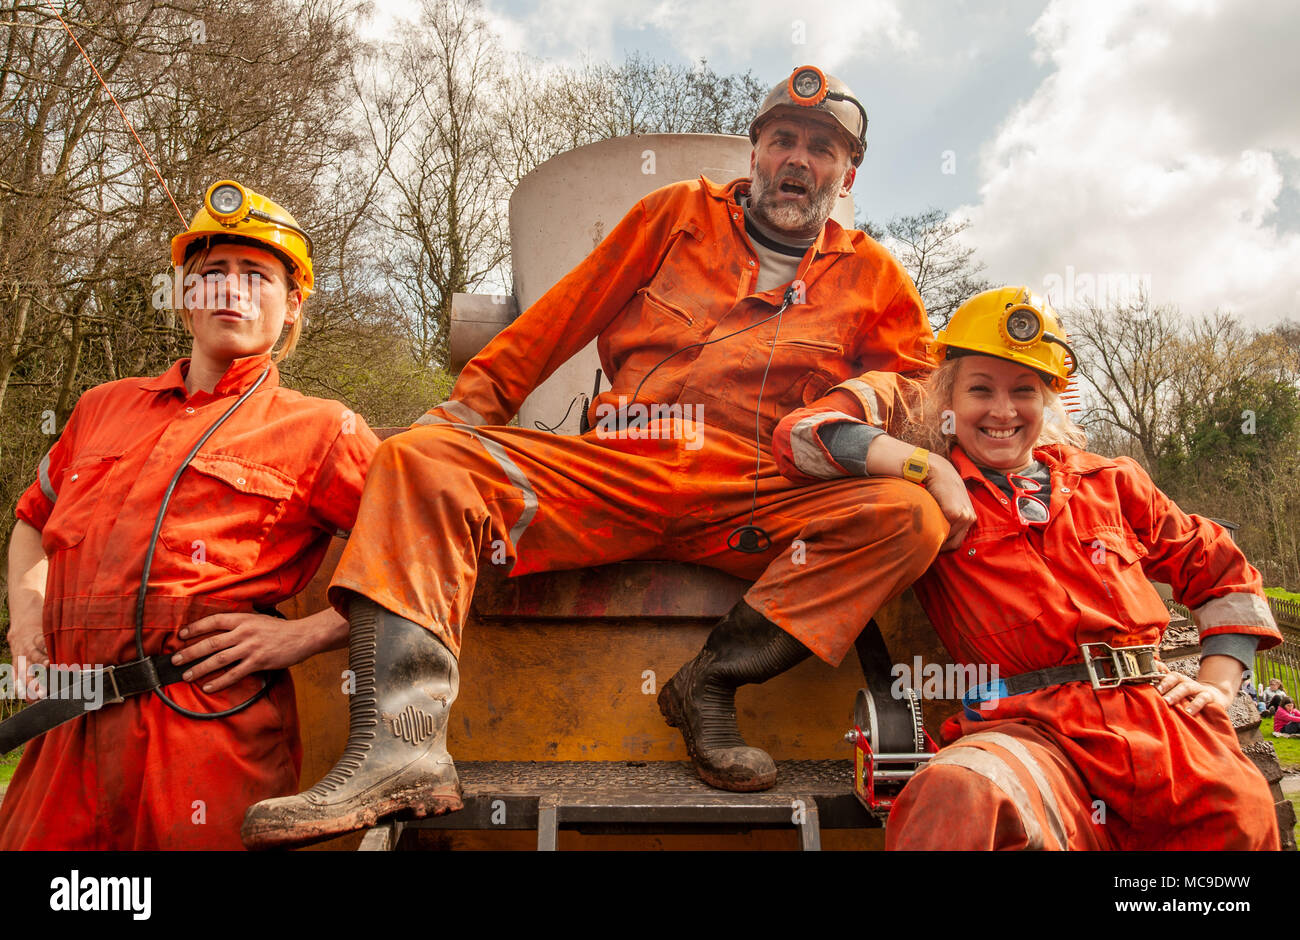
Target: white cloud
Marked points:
823	32
387	16
753	32
568	30
1151	149
512	34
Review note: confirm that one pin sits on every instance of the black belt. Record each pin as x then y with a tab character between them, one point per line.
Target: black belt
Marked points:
113	684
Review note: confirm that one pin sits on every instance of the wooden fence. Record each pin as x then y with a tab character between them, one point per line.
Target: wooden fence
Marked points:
1280	662
1285	612
1283	661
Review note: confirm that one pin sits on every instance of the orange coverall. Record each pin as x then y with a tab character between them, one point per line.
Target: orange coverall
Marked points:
248	524
1070	766
677	270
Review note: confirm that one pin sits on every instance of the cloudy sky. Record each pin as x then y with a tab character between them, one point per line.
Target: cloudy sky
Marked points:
1094	145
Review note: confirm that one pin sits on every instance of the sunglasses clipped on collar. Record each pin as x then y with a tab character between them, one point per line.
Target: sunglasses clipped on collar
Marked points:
1031	509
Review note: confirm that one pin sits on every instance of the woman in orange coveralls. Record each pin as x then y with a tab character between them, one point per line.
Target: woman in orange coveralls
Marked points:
248	523
1058	556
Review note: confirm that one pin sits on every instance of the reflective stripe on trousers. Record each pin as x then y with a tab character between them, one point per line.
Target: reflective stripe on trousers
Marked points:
994	768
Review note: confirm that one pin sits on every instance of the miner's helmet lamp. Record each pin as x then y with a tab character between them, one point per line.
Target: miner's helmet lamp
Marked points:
809	90
232	210
1015	324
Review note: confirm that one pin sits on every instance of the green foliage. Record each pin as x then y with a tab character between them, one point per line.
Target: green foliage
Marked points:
8	764
929	246
1250	421
1235	445
1212	409
369	370
1237	461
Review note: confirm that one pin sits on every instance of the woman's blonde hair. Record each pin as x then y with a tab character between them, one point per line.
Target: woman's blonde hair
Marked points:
199	256
928	429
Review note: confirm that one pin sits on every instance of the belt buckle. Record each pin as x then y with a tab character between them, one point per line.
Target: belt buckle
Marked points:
117	694
1124	661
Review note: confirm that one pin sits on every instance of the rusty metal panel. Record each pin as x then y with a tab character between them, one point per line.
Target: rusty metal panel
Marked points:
659	589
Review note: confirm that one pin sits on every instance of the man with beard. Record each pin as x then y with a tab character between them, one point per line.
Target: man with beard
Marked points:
718	310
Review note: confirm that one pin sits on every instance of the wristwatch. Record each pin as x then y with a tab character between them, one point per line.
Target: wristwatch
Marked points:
917	465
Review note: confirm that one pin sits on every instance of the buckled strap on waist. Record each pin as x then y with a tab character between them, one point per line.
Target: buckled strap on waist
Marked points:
1116	665
76	694
1104	667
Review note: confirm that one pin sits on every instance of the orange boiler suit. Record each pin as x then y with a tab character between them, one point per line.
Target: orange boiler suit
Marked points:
1069	766
248	524
460	489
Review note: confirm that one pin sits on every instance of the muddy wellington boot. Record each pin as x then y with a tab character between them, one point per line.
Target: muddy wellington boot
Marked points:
700	699
396	756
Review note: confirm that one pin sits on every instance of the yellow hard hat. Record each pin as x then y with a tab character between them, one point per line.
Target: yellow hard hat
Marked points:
807	91
1015	324
234	210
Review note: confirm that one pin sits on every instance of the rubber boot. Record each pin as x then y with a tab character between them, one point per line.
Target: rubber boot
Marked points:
396	756
700	699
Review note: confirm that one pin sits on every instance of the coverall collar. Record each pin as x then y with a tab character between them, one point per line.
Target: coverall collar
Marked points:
241	374
1065	464
1060	458
1067	459
832	239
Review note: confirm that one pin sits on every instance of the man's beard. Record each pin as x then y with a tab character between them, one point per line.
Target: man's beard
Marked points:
799	219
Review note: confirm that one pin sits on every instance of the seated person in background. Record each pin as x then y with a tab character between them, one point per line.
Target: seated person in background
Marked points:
1273	691
1286	719
1054	574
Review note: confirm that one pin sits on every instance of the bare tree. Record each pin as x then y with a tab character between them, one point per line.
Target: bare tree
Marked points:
235	88
1210	408
1125	355
546	111
929	246
454	123
428	110
641	96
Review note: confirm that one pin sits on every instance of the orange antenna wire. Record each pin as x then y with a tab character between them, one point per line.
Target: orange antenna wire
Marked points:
130	127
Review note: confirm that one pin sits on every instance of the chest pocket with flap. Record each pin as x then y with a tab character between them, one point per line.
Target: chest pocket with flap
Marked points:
996	557
223	509
81	492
